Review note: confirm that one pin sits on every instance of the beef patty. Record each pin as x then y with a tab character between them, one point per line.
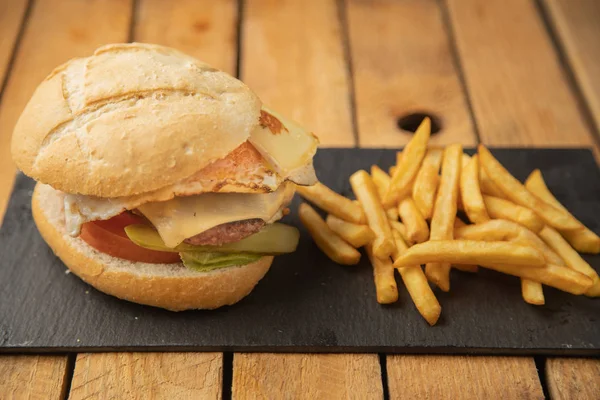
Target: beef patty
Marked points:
227	233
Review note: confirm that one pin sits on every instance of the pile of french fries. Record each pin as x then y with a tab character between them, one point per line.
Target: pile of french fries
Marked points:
408	218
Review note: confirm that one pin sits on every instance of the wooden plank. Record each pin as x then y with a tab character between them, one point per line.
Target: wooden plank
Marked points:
11	18
449	377
205	29
293	58
576	23
33	377
306	376
402	64
519	93
147	376
52	37
569	378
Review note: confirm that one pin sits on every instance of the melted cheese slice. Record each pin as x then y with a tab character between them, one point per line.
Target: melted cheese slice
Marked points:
287	146
184	217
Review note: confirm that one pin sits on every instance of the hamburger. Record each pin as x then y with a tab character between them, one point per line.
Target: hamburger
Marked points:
160	179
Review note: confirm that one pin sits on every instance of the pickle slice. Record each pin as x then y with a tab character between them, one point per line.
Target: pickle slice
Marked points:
209	261
273	239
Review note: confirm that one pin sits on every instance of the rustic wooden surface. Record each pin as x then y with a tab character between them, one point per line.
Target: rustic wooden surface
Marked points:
576	23
33	377
299	46
402	65
571	378
450	377
326	64
306	376
148	376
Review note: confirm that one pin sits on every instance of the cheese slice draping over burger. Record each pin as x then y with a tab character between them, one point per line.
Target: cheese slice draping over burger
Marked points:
160	178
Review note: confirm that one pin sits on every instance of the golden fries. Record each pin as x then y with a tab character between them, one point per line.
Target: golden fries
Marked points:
463	163
416	226
392	213
498	208
471	252
502	230
487	185
401	229
383	274
582	239
382	181
356	235
516	192
417	285
444	213
409	165
333	203
426	182
571	257
532	292
562	278
471	193
366	193
330	243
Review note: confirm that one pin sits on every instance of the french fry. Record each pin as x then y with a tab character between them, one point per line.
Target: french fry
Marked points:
471	193
366	193
556	276
416	226
569	255
487	185
499	229
417	285
582	239
398	157
503	230
383	275
471	252
401	229
382	181
333	203
409	165
499	208
392	170
532	292
463	163
392	214
516	192
426	182
444	214
331	244
356	235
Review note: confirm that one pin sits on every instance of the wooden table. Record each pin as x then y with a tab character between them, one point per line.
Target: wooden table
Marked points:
501	72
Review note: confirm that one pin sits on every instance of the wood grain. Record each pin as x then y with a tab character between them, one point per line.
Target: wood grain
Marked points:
306	376
293	58
402	64
576	23
53	36
147	376
519	92
450	377
205	29
569	378
33	377
11	18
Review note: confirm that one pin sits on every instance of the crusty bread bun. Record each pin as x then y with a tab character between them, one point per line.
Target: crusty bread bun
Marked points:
132	118
170	286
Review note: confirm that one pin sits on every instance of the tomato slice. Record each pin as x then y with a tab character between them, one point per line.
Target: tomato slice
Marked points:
109	237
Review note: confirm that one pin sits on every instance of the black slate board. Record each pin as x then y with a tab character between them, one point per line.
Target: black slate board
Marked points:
306	303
